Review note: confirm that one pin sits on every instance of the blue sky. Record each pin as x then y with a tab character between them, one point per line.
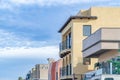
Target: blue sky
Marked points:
28	31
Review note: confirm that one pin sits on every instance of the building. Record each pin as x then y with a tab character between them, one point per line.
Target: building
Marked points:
104	44
58	69
54	69
40	72
77	28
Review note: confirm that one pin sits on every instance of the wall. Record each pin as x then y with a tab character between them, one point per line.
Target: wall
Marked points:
108	55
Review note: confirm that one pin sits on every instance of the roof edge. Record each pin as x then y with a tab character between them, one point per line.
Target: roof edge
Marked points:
75	17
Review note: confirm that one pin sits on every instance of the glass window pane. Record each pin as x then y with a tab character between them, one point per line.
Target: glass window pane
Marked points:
86	30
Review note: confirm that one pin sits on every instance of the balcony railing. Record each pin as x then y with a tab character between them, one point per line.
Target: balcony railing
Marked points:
66	71
110	67
65	45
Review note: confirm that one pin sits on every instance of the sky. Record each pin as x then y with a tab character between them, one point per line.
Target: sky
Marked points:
29	31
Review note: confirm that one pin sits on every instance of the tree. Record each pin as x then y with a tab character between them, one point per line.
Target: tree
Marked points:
20	78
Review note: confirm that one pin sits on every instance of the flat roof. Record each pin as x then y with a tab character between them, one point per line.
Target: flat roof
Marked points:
75	17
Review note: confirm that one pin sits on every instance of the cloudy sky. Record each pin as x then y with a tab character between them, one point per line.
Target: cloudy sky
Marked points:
28	31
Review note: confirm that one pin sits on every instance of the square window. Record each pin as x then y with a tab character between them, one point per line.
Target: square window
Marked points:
86	30
86	61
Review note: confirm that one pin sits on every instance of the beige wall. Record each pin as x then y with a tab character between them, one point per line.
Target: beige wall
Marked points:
40	72
77	57
109	55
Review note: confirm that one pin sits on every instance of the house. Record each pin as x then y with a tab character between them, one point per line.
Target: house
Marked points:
54	69
75	63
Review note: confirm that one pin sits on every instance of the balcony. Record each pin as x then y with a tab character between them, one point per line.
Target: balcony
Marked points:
64	47
65	72
109	67
102	40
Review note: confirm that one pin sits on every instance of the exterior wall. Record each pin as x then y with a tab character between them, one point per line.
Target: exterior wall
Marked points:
108	55
58	67
106	17
69	25
54	70
40	72
77	57
91	66
43	72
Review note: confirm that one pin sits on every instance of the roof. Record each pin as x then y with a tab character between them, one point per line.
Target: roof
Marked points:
75	17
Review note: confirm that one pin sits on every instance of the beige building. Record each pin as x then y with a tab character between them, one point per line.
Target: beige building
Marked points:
77	28
40	72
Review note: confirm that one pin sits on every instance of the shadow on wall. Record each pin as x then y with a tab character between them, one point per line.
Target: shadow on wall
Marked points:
79	71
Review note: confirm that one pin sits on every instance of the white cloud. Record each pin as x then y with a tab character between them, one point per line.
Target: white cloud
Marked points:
4	5
40	52
53	2
9	39
13	46
16	3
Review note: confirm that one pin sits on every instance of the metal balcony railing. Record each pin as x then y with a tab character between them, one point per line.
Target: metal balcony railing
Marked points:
111	66
65	45
66	71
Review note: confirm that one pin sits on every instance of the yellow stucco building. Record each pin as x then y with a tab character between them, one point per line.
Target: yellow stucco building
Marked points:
77	28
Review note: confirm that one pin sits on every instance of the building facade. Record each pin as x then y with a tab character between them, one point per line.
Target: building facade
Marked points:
54	70
40	72
74	31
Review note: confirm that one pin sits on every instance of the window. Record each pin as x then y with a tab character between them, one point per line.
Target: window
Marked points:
86	61
86	30
68	41
108	79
